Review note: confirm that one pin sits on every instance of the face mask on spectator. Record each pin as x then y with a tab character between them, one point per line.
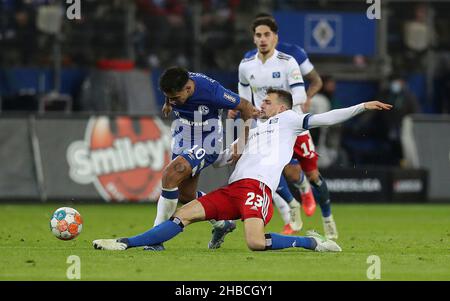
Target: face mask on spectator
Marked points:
396	87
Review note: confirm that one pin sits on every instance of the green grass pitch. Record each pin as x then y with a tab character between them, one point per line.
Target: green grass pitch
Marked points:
412	242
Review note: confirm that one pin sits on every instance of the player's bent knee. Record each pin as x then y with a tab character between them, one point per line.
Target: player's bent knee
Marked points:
256	244
292	173
175	173
293	177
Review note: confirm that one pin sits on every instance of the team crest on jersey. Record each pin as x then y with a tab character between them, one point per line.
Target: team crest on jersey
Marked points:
296	74
276	75
274	120
204	110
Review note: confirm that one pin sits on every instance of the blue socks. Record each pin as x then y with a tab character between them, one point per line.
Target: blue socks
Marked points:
171	194
277	241
283	190
322	196
159	234
171	228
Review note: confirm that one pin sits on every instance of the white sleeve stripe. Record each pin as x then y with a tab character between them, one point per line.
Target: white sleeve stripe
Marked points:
297	85
306	67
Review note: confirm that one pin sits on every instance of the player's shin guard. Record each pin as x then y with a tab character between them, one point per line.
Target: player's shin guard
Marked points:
283	190
167	204
276	242
157	235
322	195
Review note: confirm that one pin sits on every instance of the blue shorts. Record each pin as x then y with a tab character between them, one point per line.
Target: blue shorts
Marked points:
294	161
198	159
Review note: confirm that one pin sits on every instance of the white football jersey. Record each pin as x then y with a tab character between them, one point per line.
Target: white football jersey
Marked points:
270	145
279	71
269	149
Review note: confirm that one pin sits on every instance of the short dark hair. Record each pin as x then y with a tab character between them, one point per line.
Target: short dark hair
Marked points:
173	79
263	15
284	96
268	21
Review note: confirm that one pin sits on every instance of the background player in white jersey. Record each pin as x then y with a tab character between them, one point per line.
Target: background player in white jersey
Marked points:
248	194
271	68
293	172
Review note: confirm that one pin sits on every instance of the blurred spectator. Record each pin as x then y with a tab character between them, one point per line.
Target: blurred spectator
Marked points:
218	30
25	34
444	102
167	29
286	4
418	37
360	61
442	83
405	103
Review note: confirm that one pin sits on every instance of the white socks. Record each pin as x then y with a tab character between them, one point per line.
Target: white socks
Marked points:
167	205
303	184
283	208
328	219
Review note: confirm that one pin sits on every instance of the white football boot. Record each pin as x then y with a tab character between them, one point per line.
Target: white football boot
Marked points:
323	244
329	227
109	245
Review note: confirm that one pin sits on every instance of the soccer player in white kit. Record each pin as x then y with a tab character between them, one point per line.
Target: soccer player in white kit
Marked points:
271	68
249	192
293	172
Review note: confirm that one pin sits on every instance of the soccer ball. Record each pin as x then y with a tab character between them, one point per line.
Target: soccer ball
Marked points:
66	223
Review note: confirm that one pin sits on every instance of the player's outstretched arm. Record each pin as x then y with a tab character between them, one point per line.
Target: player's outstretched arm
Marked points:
341	115
377	105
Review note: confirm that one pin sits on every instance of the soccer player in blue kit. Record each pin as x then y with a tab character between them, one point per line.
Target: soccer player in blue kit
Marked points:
197	102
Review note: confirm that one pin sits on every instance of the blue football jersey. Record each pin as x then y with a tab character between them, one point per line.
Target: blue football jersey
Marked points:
198	121
293	50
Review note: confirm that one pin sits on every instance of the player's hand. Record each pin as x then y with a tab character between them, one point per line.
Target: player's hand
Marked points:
377	105
232	114
256	113
166	110
235	155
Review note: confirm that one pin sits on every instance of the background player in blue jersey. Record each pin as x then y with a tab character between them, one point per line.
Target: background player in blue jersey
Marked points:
293	172
197	102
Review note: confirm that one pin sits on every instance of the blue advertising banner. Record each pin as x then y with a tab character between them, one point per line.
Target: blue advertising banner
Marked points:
336	33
